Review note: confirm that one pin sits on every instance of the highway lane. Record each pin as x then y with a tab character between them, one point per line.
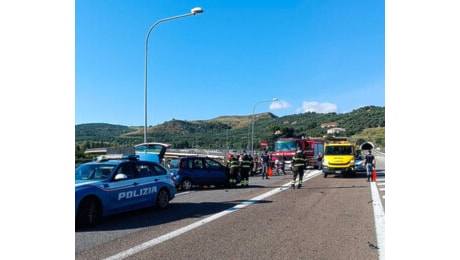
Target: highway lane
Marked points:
329	218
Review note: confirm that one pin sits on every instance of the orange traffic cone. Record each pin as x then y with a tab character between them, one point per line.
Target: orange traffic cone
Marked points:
374	175
270	173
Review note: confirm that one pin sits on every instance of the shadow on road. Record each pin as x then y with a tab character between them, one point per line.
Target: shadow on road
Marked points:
152	216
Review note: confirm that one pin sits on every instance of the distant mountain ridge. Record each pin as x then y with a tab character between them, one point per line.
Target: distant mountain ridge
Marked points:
226	131
92	131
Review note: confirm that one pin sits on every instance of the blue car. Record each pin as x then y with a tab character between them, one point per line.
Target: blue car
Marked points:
359	162
119	183
199	171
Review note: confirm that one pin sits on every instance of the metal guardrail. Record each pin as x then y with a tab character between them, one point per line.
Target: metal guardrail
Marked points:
183	152
220	154
379	153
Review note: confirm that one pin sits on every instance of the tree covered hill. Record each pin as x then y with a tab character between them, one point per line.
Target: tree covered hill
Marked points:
100	131
233	132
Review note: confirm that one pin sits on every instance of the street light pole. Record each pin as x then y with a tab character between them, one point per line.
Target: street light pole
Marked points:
196	10
253	110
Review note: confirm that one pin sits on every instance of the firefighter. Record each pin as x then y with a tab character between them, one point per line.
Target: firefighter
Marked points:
298	166
244	170
234	168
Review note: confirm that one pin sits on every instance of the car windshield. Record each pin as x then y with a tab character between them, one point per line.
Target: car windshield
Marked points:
93	171
338	150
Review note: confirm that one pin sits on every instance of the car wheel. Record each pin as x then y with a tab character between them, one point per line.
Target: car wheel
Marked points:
186	184
89	212
163	199
324	174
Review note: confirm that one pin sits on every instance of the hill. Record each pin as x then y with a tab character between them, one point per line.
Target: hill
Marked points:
235	132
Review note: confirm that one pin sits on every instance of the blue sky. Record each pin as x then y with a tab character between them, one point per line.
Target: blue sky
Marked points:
322	56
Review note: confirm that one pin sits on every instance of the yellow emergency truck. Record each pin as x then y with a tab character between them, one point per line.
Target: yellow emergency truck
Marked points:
339	157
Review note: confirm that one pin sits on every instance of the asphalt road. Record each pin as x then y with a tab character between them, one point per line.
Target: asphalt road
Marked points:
328	218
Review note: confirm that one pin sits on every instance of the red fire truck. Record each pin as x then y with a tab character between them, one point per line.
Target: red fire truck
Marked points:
287	147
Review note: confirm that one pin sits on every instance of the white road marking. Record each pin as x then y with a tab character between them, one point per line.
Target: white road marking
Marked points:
160	239
182	193
379	218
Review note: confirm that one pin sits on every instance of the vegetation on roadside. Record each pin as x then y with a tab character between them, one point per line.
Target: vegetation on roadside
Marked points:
235	132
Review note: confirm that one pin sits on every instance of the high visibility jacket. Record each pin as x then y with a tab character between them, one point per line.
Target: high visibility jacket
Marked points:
298	161
234	163
245	163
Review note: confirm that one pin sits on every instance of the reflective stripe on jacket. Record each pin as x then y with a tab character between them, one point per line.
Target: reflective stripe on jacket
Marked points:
246	164
234	163
298	161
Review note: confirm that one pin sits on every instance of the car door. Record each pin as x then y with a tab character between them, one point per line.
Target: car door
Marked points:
215	171
151	151
124	193
197	172
150	179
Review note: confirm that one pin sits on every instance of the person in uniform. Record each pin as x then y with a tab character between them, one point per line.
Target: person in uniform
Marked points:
244	170
369	163
234	168
298	166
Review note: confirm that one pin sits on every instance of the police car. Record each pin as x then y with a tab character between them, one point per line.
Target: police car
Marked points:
114	184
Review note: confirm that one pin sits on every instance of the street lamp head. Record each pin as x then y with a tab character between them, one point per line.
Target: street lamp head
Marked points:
196	10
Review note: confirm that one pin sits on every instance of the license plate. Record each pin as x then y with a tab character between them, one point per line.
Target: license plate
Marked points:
338	171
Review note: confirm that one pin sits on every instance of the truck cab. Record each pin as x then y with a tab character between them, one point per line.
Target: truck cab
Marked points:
339	158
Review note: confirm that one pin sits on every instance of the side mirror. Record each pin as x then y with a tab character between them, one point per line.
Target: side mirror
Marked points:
120	176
